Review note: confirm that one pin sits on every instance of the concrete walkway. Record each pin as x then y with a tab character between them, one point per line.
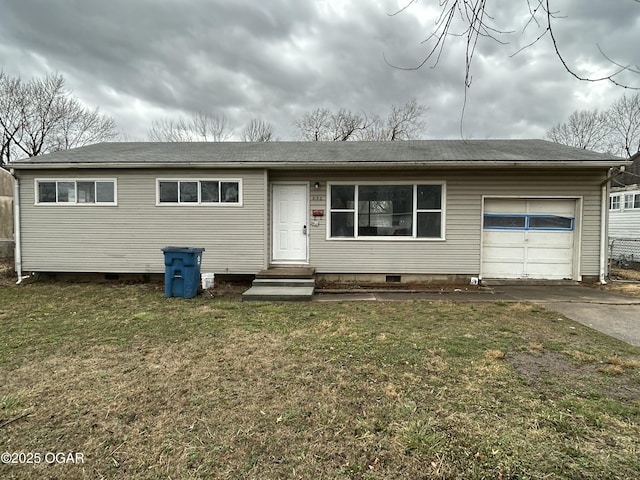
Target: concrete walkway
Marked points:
613	314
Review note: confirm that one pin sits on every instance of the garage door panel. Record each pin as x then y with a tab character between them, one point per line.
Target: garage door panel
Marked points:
504	237
541	271
505	205
541	247
547	255
504	254
504	270
552	239
552	207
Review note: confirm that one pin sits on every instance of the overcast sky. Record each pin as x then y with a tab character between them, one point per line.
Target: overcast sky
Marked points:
140	60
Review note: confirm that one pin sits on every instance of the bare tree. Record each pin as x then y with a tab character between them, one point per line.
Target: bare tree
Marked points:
257	131
168	130
11	113
41	116
314	126
476	21
403	123
587	129
616	130
624	118
201	127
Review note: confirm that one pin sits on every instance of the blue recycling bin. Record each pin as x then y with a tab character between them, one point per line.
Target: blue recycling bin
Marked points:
182	271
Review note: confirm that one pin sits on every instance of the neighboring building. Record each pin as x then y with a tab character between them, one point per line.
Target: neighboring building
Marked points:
6	214
624	212
624	216
416	210
630	176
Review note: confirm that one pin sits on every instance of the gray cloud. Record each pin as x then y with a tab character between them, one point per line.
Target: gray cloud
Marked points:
277	59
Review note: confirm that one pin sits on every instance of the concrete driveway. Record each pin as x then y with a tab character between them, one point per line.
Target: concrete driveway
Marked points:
613	314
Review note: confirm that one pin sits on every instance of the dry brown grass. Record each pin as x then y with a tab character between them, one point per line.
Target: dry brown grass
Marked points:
147	387
626	273
494	355
625	281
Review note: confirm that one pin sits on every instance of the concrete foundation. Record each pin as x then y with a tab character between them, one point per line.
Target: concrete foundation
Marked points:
391	279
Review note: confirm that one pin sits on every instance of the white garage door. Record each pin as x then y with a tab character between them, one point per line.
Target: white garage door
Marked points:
528	238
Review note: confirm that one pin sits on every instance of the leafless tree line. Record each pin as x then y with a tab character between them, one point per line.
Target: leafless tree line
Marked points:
403	123
205	127
615	130
41	116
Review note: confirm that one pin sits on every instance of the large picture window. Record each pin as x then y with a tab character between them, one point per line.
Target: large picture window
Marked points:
199	192
393	211
76	192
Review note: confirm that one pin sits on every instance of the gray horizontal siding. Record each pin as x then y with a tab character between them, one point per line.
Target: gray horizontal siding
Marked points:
460	252
128	237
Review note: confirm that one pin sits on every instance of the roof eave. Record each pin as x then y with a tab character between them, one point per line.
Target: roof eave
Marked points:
323	165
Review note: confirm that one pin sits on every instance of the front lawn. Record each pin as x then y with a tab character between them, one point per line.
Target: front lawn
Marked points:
148	387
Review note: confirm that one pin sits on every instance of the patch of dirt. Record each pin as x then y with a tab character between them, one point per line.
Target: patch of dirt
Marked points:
228	290
582	379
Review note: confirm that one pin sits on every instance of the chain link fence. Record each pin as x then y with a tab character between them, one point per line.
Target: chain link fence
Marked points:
624	252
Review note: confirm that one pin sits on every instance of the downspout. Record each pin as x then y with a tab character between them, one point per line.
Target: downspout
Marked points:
604	240
604	216
16	229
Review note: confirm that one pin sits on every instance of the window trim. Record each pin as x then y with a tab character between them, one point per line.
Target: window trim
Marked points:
616	198
390	238
527	222
75	181
199	203
630	201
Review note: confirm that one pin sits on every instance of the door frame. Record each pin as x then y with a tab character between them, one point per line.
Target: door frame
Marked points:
272	225
577	232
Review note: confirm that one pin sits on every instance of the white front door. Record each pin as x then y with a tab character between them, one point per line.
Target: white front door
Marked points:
289	219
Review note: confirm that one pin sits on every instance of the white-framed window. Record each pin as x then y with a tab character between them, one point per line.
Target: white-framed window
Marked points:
628	201
76	192
631	200
198	192
614	202
391	211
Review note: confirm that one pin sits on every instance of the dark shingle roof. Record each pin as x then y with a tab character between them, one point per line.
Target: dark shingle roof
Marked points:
318	153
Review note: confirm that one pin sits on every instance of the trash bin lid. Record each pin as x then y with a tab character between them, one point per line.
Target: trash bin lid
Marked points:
182	250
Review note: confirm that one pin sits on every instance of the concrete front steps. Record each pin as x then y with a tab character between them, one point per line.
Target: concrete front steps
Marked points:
283	284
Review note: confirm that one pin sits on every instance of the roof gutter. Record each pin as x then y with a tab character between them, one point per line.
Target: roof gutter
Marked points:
319	165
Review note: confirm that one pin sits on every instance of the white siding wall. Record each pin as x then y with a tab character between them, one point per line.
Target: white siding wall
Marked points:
460	252
625	222
127	238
